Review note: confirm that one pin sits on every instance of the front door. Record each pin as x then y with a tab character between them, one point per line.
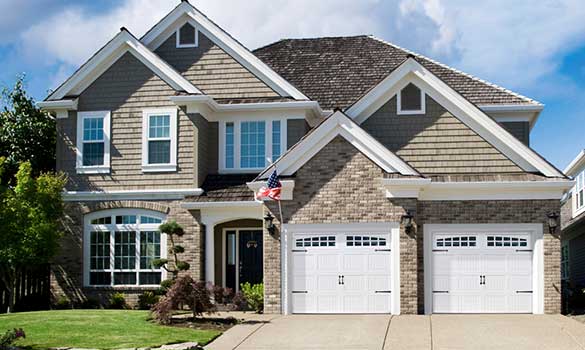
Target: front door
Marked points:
250	253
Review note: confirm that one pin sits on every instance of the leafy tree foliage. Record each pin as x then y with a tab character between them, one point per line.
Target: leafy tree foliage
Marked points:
30	215
27	134
185	291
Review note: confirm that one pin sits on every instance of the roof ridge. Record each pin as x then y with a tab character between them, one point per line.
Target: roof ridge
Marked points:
312	38
527	99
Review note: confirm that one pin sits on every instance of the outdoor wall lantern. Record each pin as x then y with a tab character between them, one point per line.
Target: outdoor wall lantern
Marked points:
269	224
553	222
406	220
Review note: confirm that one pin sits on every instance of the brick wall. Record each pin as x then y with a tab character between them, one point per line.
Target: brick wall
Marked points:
67	266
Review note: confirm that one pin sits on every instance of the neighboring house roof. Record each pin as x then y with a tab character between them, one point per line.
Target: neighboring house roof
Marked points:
339	124
576	164
123	42
185	12
338	71
413	71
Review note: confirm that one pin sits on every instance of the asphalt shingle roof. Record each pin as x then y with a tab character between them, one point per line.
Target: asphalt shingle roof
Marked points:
337	71
226	188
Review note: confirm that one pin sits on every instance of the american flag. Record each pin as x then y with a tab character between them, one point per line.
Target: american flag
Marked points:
272	189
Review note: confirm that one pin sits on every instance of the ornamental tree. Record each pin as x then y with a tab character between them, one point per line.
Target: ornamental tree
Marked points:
30	213
27	134
173	231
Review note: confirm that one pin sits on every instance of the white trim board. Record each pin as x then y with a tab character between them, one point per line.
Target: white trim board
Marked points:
338	124
173	136
123	42
185	12
576	164
371	227
537	257
87	196
468	113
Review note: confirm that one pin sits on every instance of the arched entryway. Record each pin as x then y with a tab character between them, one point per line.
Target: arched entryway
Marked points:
238	253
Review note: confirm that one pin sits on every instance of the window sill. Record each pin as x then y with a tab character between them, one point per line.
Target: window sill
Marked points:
578	212
124	287
241	171
159	168
422	111
93	170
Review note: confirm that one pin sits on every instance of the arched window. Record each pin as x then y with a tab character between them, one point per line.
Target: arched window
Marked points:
120	245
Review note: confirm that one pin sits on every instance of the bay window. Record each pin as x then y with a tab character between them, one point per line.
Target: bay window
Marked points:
250	145
93	142
120	246
579	193
159	140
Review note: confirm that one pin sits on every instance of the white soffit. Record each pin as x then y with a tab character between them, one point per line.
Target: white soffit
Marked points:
468	113
185	12
286	192
123	42
75	196
339	124
576	164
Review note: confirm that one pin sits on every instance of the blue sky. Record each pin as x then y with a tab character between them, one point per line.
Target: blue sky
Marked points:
536	48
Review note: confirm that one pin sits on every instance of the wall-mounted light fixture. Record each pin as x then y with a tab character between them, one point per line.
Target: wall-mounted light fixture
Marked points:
407	221
553	222
269	224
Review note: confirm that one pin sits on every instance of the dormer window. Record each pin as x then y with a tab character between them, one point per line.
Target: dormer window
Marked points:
411	100
187	36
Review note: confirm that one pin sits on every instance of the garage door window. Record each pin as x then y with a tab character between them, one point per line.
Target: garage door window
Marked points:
506	241
365	241
316	241
457	241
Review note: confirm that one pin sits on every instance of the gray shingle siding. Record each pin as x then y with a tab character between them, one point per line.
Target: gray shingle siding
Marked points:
436	142
521	130
212	70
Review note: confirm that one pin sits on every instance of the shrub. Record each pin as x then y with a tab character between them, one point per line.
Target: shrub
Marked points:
166	285
91	303
147	300
254	295
239	302
222	295
117	301
173	231
7	339
62	303
185	291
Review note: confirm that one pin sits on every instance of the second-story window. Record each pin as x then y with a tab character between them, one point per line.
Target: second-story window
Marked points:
249	146
93	142
580	191
159	151
187	36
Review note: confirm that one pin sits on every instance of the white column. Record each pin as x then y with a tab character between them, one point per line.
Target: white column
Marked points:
209	254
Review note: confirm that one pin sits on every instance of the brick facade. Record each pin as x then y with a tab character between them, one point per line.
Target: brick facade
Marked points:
67	267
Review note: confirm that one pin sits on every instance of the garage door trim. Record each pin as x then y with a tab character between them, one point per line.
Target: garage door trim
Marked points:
289	230
536	231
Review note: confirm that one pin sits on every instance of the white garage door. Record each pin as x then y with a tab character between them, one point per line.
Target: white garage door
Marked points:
482	272
341	273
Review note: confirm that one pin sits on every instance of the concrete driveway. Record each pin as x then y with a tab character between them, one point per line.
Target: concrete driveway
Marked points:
478	332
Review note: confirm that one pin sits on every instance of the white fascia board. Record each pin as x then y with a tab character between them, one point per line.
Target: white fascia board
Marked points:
514	113
513	190
226	42
286	192
123	42
468	113
211	205
512	108
339	124
67	104
576	164
86	196
404	188
207	106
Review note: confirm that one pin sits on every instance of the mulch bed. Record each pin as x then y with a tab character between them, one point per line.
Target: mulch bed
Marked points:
205	323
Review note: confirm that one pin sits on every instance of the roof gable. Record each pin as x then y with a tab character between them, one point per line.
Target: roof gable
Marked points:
123	42
576	165
186	13
339	124
411	71
337	71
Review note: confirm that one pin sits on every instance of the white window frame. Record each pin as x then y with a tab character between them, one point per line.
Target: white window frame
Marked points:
172	165
423	106
565	272
112	228
178	37
579	178
237	145
94	169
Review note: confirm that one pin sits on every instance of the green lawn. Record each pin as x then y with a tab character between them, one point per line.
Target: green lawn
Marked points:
103	329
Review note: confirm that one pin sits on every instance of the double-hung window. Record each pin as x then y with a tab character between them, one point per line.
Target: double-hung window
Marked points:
93	142
565	261
159	140
120	247
579	193
250	145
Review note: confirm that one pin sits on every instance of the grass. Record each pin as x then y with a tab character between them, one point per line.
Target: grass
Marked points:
103	329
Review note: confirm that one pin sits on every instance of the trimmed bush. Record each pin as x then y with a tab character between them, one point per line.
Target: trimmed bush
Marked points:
147	300
117	301
254	295
185	291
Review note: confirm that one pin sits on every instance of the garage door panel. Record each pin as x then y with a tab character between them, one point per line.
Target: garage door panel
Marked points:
464	283
519	263
328	263
379	303
379	262
304	282
466	263
326	283
327	303
304	302
380	282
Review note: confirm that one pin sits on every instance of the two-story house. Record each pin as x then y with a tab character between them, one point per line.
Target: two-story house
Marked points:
408	186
